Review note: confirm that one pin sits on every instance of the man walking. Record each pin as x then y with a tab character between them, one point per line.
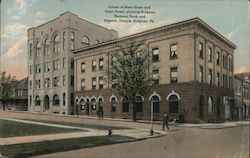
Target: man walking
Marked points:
165	121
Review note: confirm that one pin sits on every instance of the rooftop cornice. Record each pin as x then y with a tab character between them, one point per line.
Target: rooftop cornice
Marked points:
165	28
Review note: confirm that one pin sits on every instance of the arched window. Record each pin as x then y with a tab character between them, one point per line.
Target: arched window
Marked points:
210	104
64	39
56	44
100	104
173	104
125	105
38	50
138	104
37	101
82	104
93	104
46	47
85	40
113	104
56	100
72	40
156	104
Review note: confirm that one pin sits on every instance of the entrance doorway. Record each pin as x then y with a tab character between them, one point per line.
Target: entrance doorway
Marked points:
201	107
46	102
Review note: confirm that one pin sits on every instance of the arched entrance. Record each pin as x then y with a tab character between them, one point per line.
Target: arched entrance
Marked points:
201	107
218	110
100	104
87	106
46	102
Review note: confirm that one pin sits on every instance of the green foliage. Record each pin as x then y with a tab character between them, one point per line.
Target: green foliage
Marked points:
7	87
129	71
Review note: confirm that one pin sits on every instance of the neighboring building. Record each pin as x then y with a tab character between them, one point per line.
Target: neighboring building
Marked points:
242	95
19	100
194	64
51	62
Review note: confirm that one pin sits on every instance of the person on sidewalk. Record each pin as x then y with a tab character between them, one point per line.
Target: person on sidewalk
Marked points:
165	121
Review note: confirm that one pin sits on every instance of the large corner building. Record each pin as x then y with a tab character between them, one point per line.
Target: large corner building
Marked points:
192	61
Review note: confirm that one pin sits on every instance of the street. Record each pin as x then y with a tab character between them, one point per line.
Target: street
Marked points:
179	143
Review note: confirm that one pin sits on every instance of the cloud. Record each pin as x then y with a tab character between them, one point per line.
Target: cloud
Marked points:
231	34
16	48
12	31
20	8
40	14
241	69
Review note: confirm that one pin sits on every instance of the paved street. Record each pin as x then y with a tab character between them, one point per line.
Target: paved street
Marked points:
183	143
227	140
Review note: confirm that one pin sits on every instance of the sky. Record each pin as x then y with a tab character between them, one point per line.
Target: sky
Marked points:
228	17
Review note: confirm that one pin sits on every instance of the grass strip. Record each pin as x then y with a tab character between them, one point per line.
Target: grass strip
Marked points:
83	125
46	147
13	129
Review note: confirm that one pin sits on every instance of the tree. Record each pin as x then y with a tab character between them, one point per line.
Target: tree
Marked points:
7	87
129	72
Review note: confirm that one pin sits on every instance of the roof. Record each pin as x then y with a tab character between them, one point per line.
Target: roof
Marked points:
23	84
196	20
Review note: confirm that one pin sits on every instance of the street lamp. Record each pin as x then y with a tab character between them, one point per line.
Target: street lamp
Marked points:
152	114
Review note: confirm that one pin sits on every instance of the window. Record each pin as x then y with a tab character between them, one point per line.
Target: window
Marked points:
218	58
173	75
156	104
155	55
38	68
38	50
125	105
156	76
64	99
30	84
210	76
30	50
64	62
30	100
56	81
72	41
101	64
82	104
64	80
138	104
82	84
230	64
224	81
201	50
93	104
85	40
210	54
218	79
210	104
46	67
113	104
101	83
72	81
64	39
72	63
30	69
56	44
93	83
56	100
201	75
38	84
37	101
230	82
56	64
83	67
93	65
173	104
46	82
224	61
46	47
173	51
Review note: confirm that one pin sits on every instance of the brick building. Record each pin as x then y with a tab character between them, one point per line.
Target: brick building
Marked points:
194	64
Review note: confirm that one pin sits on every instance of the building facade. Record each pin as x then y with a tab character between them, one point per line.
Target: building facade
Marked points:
51	62
242	96
194	64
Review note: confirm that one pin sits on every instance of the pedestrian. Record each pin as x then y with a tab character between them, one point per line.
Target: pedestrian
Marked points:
165	121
